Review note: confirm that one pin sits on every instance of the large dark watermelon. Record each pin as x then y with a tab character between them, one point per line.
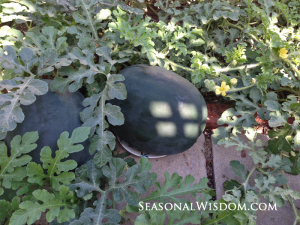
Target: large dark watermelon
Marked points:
50	115
164	113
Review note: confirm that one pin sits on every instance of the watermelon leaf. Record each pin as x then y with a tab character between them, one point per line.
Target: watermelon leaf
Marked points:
241	117
180	187
89	180
116	90
156	217
104	141
60	206
57	170
140	183
7	208
22	91
280	143
10	60
138	34
76	76
86	18
11	169
98	214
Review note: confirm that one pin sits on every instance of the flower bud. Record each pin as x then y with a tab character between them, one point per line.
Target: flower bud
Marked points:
233	81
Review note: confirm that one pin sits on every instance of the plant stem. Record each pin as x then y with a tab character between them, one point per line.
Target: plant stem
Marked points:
179	66
235	26
295	53
90	20
209	26
289	73
153	10
240	89
122	213
30	25
284	155
249	66
291	201
113	200
249	7
248	177
293	67
289	90
164	50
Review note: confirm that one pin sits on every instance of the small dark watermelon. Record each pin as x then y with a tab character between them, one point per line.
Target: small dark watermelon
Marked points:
164	113
52	114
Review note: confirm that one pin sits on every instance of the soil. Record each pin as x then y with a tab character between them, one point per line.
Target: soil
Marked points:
42	220
21	27
207	151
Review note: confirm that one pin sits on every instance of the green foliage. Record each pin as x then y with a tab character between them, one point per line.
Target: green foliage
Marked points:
237	56
104	141
25	89
57	170
18	173
7	208
88	180
84	44
58	206
11	167
268	168
280	141
240	119
138	34
183	187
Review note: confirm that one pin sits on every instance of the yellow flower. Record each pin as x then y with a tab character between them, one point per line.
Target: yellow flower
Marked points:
253	81
222	90
283	53
233	81
293	154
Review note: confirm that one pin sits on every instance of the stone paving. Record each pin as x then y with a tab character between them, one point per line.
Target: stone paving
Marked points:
191	162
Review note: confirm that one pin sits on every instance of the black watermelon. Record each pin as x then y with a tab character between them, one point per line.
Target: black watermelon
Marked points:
164	113
52	114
